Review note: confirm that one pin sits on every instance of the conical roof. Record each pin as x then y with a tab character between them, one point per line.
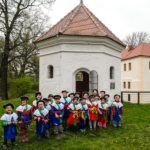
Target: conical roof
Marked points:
80	21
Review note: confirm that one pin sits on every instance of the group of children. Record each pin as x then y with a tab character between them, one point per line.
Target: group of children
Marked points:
57	114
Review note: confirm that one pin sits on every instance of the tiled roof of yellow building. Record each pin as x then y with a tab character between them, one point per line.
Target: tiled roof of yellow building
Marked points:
141	50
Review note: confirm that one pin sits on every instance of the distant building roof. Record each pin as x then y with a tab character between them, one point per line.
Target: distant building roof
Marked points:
141	50
80	21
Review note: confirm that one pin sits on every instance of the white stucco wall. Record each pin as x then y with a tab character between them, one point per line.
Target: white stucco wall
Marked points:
47	85
68	58
98	61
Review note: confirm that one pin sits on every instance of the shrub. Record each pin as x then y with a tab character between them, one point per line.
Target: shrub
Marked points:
35	86
20	86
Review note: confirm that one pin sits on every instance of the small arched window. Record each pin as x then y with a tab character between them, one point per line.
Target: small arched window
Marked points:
50	71
112	74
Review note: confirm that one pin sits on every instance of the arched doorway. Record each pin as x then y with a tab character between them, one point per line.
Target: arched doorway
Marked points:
82	81
85	80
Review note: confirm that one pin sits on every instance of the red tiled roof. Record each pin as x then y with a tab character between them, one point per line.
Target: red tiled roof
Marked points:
141	50
80	21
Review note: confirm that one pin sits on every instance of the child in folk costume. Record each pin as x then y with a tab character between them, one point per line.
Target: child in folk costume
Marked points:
102	94
93	112
117	110
9	121
57	118
66	101
38	96
86	96
71	95
95	92
109	103
97	98
51	102
73	119
103	116
49	108
24	112
42	120
83	114
78	95
51	99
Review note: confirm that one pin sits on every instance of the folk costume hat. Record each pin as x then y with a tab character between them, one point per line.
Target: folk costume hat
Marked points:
40	102
57	97
71	94
64	91
9	104
91	96
45	99
75	98
116	96
82	99
103	99
102	92
24	98
107	95
38	93
86	93
51	95
77	93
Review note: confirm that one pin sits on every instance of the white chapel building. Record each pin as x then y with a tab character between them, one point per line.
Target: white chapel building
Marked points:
79	54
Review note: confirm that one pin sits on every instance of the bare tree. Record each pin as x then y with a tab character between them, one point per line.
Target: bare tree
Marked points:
24	59
137	38
14	14
1	49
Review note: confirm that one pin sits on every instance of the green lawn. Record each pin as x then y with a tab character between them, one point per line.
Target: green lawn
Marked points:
133	135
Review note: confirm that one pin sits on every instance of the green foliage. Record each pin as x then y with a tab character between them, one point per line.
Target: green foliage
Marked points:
35	86
20	86
133	135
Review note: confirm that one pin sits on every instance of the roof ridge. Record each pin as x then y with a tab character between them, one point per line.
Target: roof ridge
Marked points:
74	12
90	14
103	25
57	23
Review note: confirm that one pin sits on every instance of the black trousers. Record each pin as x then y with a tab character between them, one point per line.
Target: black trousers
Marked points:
12	141
74	128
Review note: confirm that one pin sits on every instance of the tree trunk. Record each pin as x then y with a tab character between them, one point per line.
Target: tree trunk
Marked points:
22	70
4	70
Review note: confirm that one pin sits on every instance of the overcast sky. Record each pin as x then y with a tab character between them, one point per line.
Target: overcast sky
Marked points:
122	17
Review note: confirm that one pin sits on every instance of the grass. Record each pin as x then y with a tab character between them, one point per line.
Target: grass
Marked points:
133	135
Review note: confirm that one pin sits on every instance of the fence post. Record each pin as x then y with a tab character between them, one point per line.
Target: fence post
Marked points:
138	97
121	96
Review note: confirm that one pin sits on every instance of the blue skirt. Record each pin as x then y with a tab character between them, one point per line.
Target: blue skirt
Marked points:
41	127
56	121
10	132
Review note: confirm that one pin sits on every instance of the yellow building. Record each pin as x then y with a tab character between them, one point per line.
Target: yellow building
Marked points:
135	74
